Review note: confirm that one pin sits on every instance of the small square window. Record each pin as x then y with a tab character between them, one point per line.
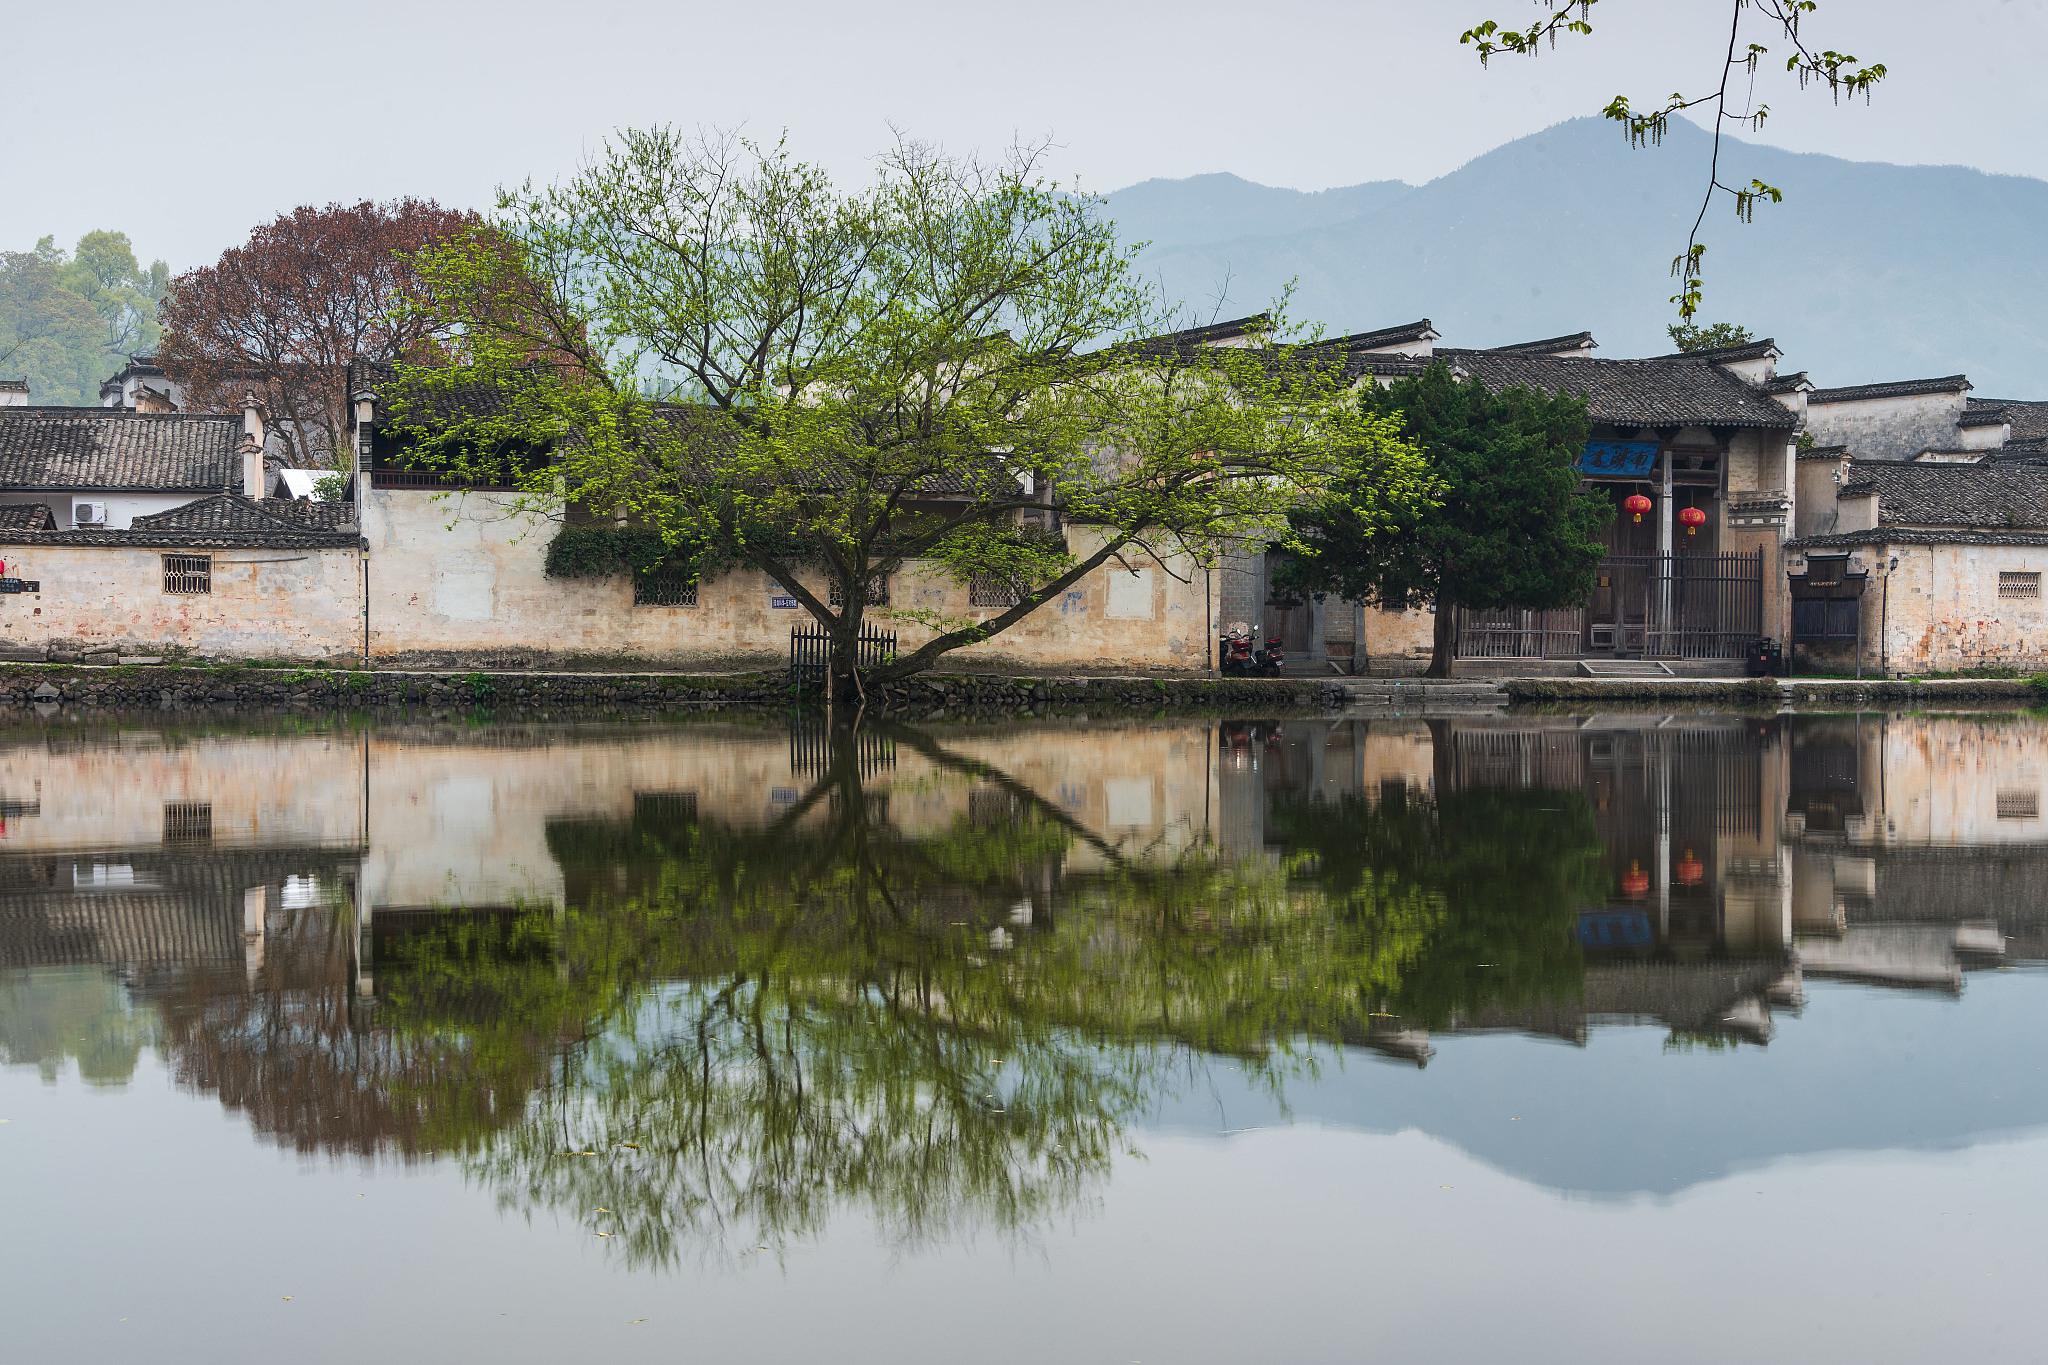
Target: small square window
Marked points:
188	575
991	590
877	594
665	588
188	822
2019	584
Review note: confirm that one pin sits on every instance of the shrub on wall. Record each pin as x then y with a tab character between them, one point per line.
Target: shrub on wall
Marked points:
616	551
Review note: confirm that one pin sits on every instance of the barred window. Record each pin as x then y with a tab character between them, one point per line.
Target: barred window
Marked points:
991	590
188	822
665	588
2019	805
188	575
877	592
2012	584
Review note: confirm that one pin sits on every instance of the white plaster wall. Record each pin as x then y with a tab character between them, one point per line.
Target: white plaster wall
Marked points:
265	604
466	575
122	508
1888	428
1942	611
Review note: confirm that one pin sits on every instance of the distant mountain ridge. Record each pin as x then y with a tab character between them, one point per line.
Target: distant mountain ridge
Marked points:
1867	271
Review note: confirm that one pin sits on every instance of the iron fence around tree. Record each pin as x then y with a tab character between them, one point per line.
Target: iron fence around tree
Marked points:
810	654
1644	607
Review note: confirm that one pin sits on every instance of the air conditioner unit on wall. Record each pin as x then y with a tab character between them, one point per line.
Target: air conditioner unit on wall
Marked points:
89	513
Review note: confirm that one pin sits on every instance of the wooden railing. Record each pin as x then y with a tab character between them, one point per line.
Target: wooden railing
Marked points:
1649	607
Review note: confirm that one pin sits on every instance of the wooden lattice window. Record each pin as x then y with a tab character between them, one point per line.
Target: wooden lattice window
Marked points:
991	590
188	575
188	822
2011	584
877	592
665	588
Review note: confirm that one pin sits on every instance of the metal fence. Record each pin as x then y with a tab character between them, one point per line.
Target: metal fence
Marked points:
810	654
1645	607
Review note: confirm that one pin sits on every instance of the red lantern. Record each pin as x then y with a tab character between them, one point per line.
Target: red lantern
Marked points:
1635	504
1690	870
1635	883
1692	518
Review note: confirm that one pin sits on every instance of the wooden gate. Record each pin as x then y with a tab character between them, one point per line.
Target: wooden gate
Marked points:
810	654
1643	607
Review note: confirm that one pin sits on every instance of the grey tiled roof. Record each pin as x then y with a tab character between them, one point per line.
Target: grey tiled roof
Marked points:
1897	388
1748	350
1975	416
1684	391
2029	418
111	450
1979	497
1823	453
26	516
235	513
1546	345
1418	330
1906	535
1788	383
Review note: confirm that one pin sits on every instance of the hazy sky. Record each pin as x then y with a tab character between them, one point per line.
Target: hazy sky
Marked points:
187	124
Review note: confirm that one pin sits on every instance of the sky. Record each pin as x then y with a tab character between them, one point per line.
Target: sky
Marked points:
188	125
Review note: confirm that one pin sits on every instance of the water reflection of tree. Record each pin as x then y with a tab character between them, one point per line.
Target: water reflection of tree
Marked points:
76	1013
1506	871
727	1034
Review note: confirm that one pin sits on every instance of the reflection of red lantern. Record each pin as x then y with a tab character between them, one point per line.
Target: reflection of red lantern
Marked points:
1690	870
1635	883
1635	504
1692	518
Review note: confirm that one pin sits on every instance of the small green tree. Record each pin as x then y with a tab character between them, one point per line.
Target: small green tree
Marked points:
949	366
1514	527
1708	336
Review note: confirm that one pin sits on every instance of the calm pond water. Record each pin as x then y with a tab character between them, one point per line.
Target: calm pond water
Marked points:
1626	1037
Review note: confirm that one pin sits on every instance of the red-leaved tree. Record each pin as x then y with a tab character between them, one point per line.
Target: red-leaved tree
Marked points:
285	314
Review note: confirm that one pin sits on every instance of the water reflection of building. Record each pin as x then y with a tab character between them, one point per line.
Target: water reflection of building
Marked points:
1745	853
283	874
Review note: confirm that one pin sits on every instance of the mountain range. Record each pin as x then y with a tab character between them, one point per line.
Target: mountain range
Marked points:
1866	272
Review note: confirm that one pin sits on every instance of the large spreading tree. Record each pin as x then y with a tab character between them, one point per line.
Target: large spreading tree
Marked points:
1514	527
743	364
286	314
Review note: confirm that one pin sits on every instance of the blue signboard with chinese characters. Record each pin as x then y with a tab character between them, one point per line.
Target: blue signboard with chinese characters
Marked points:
1618	459
1615	929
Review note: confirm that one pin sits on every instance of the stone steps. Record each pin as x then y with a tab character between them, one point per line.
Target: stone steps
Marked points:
1624	668
1413	695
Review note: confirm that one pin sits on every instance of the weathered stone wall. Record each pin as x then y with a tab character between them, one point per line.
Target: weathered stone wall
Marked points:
1943	611
464	575
297	604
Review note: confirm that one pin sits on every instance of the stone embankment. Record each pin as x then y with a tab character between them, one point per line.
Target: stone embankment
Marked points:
232	688
1776	692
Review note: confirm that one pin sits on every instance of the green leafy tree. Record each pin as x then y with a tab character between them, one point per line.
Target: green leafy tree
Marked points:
1709	336
68	320
949	366
1514	527
1731	101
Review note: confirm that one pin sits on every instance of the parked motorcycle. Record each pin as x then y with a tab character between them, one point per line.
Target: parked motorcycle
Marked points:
1272	656
1234	652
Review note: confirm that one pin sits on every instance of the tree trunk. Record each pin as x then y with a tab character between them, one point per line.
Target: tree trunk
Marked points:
1445	646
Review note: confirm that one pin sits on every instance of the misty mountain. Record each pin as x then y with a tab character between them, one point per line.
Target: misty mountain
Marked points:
1866	272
